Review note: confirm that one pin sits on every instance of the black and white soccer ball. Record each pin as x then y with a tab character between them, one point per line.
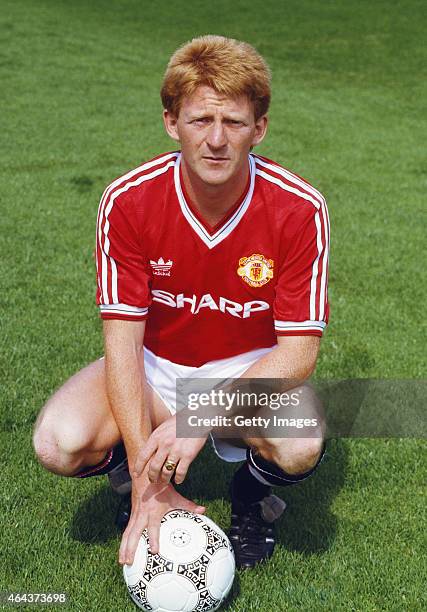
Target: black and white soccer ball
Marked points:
193	571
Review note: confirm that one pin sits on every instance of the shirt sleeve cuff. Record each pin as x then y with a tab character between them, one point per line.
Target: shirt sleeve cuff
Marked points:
123	311
299	328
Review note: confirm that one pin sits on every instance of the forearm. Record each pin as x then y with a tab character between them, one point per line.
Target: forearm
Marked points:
126	394
287	366
293	359
124	363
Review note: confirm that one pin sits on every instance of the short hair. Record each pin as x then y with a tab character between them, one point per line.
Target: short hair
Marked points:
229	66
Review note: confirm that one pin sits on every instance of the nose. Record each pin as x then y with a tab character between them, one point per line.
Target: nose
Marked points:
216	137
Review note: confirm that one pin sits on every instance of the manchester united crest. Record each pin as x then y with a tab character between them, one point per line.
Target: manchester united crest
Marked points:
255	270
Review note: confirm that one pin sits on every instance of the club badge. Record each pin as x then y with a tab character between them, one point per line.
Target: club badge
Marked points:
255	270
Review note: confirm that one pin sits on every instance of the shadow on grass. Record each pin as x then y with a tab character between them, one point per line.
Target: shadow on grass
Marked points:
308	526
94	520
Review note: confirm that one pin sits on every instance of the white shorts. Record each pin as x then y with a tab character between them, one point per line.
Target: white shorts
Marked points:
161	375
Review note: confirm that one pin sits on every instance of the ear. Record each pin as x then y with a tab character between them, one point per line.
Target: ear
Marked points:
260	130
170	122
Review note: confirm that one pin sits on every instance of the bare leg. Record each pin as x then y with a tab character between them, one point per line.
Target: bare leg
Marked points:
295	455
76	427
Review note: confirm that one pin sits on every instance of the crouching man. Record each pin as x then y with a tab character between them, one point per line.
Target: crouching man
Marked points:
212	262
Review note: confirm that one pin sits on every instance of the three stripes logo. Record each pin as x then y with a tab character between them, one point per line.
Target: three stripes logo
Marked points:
161	267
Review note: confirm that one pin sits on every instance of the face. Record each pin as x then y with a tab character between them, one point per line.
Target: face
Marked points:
216	134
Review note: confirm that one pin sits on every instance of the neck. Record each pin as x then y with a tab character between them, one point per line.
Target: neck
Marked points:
213	201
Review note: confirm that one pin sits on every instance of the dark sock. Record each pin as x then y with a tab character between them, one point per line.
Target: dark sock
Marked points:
275	475
246	488
111	460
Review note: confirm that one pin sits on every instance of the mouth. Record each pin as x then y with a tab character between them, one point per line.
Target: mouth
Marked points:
212	159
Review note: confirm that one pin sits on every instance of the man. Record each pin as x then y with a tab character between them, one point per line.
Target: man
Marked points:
212	262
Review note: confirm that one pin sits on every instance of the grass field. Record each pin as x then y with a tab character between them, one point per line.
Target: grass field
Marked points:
80	106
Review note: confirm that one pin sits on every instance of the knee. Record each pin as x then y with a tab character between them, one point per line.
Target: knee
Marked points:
45	449
294	456
57	447
306	455
44	444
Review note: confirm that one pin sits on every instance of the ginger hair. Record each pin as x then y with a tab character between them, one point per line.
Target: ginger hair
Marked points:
231	67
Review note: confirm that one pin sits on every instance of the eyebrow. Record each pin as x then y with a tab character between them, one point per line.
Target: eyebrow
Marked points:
233	116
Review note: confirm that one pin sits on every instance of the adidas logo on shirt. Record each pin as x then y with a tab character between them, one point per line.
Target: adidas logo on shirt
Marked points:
161	267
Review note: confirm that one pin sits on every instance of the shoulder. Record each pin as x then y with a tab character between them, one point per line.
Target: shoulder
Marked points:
285	188
155	174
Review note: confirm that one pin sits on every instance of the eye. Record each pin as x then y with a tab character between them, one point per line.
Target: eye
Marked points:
201	121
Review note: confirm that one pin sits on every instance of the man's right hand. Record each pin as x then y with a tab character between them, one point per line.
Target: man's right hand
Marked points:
150	502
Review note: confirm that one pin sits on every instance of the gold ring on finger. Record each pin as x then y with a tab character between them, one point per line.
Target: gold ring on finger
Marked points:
169	465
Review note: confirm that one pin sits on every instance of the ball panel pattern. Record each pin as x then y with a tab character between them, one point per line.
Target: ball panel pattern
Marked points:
194	571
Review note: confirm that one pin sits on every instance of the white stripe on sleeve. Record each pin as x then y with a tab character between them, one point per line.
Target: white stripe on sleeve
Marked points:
124	309
299	325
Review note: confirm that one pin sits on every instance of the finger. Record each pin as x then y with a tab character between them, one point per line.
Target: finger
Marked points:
135	517
155	468
153	536
124	541
165	474
181	470
133	538
123	545
144	455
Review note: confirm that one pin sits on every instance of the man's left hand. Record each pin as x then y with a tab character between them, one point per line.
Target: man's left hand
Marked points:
162	446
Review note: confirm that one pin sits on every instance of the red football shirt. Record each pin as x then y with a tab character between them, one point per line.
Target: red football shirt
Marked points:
211	293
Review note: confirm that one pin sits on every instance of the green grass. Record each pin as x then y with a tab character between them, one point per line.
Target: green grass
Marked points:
80	105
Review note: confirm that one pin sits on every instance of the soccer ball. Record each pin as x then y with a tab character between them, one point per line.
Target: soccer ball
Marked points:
193	571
